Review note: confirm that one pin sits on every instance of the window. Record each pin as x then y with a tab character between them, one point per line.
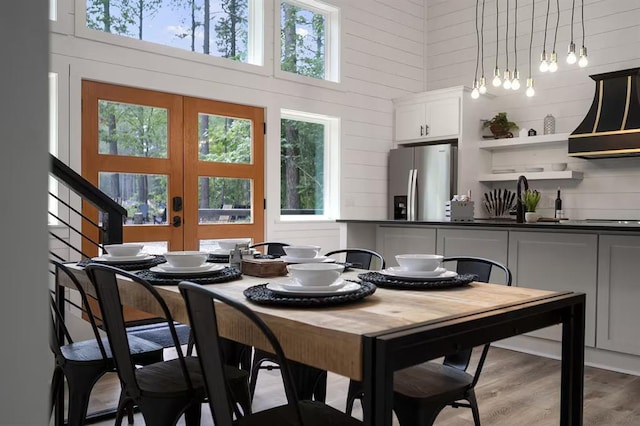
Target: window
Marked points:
233	30
53	145
308	150
53	10
309	42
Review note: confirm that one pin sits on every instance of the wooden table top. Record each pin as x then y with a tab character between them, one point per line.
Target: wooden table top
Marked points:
330	338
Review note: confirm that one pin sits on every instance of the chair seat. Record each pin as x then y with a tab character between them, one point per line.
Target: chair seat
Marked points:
164	379
159	333
313	414
88	350
442	383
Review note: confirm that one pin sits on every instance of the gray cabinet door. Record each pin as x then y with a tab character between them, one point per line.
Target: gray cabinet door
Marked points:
393	240
489	244
555	261
619	294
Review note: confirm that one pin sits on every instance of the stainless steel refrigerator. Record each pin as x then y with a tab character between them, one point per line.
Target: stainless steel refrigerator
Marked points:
421	180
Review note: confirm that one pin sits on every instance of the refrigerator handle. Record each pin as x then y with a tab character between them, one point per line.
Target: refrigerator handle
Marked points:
414	190
409	198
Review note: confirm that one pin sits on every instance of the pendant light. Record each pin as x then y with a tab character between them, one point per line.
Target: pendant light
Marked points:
571	56
553	64
496	71
483	81
506	84
544	59
515	83
530	90
475	92
583	62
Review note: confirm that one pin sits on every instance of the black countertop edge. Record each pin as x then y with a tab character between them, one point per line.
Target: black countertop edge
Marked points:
567	225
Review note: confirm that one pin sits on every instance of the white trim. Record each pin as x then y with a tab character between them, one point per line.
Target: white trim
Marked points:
331	192
333	37
255	40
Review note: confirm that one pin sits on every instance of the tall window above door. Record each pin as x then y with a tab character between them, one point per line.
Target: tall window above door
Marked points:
231	29
309	39
308	166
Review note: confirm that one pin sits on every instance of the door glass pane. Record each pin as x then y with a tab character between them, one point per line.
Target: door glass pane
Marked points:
224	200
132	130
143	196
224	139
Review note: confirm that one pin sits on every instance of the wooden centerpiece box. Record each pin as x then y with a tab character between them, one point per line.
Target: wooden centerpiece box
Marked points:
264	267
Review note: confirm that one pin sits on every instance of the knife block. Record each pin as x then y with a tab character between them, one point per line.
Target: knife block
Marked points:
459	211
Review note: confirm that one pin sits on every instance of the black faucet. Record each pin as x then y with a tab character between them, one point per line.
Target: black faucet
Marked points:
519	205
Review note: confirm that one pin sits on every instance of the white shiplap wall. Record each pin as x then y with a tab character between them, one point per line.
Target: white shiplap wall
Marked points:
382	58
610	187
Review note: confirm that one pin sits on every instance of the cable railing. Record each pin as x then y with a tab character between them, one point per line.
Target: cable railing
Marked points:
111	214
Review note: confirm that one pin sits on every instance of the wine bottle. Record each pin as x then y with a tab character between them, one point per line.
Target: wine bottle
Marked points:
558	213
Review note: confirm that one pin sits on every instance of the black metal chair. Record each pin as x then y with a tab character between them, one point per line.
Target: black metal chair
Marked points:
82	363
422	391
360	258
163	391
273	248
202	316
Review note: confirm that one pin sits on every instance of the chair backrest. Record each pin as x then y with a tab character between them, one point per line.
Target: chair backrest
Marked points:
481	267
59	333
105	281
361	258
203	320
273	248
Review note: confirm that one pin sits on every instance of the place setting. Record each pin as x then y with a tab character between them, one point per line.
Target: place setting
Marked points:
304	254
189	265
311	284
220	254
417	271
127	256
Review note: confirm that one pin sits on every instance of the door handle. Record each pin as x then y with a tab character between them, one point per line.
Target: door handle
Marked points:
177	221
426	129
177	204
421	130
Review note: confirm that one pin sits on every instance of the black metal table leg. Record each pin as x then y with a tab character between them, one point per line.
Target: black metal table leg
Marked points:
572	376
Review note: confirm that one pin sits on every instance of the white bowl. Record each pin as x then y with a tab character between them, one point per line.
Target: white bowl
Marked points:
230	243
419	262
315	274
301	252
117	250
182	259
558	167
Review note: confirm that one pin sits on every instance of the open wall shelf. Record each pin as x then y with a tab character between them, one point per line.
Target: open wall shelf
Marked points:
530	141
502	177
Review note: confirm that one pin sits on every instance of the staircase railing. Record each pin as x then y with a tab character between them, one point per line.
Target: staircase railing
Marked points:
111	214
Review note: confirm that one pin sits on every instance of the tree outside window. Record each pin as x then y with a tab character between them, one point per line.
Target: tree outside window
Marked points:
213	27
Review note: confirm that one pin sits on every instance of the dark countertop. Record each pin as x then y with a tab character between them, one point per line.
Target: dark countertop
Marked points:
631	226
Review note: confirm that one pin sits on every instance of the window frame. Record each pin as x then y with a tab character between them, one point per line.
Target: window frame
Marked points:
255	41
333	37
331	193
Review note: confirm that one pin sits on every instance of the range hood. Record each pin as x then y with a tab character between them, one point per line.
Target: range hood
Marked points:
611	128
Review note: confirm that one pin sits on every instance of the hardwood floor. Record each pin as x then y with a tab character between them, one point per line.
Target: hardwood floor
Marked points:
514	389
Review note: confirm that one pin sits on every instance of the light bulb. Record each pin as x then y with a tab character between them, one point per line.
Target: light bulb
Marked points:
583	62
530	91
496	78
515	84
507	80
475	93
571	57
553	64
483	86
544	64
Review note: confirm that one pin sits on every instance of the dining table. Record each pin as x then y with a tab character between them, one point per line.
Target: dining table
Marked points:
369	339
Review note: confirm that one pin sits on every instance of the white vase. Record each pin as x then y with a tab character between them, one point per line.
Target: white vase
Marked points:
531	217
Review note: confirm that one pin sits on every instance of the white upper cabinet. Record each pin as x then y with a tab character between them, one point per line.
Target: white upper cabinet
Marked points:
424	119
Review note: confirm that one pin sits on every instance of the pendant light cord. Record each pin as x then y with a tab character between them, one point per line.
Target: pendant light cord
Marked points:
506	39
546	22
477	44
582	19
555	37
497	26
533	11
515	39
482	38
573	7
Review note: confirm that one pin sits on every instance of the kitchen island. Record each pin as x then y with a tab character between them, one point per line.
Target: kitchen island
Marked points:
597	258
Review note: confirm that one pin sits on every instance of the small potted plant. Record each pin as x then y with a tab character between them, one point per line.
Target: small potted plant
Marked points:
500	126
530	199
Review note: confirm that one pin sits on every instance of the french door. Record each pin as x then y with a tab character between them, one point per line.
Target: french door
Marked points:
187	170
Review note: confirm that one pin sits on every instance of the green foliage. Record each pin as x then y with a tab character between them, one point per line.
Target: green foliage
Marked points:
501	120
530	199
303	41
